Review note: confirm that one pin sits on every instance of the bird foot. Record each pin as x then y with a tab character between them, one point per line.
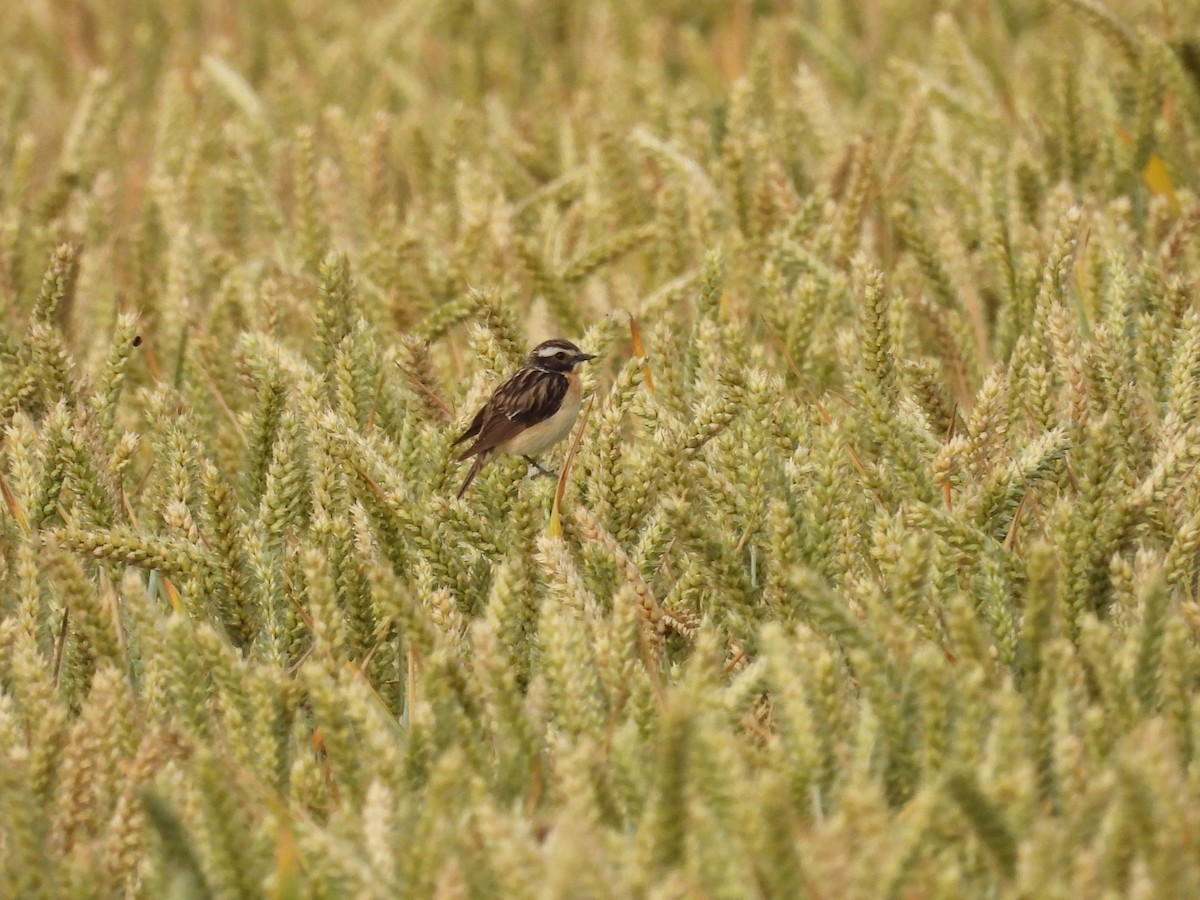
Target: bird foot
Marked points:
541	470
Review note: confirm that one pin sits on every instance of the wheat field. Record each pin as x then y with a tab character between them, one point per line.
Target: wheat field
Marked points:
873	568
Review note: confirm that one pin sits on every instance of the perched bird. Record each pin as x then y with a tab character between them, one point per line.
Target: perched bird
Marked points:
530	412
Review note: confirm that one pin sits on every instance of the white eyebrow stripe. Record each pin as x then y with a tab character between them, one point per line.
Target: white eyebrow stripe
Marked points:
551	350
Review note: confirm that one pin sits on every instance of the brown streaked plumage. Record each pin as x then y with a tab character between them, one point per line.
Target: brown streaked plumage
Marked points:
531	411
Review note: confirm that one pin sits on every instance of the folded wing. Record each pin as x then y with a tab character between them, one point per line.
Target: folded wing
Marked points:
527	398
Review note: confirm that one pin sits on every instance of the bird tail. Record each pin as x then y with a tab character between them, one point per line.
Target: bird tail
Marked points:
476	465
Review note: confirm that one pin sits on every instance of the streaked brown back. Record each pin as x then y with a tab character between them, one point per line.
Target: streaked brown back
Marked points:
527	398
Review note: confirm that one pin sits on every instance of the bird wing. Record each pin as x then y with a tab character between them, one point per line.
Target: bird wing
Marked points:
529	397
472	429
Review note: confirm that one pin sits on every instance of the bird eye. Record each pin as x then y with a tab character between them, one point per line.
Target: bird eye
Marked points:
560	355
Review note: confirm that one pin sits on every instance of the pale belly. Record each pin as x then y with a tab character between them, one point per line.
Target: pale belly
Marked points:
545	434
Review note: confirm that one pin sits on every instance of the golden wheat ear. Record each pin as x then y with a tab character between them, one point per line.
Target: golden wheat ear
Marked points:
476	465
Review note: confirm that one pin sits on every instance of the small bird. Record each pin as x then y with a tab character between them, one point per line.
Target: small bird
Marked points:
531	411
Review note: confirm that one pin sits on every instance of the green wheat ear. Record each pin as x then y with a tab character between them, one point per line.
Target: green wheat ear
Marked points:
876	569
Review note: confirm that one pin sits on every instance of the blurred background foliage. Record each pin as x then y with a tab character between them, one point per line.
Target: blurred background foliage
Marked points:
875	570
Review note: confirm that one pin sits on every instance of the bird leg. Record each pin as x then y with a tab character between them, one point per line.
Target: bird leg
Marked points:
549	473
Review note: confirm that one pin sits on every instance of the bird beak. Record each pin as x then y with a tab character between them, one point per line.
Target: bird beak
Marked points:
584	357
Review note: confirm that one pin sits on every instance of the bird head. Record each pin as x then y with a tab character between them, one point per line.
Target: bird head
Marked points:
558	355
